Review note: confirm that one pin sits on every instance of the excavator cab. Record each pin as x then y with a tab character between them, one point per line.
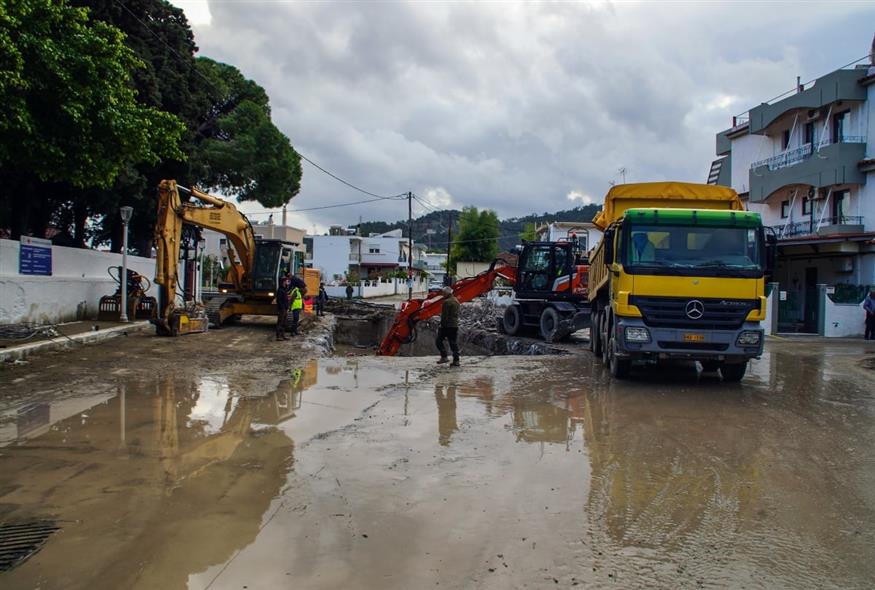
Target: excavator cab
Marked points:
273	259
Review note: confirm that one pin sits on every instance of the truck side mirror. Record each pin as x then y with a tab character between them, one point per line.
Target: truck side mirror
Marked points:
771	252
609	247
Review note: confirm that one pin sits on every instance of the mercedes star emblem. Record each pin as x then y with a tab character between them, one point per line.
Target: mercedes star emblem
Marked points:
695	309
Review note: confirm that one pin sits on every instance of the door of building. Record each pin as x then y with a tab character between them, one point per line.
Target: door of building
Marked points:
812	306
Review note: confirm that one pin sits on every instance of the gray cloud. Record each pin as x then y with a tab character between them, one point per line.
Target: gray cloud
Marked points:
514	106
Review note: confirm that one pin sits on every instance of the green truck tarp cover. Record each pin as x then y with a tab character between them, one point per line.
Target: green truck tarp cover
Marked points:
662	195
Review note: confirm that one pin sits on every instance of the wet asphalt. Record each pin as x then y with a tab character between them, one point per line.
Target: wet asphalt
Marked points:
511	472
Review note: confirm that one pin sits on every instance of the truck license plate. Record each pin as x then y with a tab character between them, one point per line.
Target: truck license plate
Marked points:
694	337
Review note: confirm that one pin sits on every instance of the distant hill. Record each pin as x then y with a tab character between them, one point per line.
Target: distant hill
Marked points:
431	228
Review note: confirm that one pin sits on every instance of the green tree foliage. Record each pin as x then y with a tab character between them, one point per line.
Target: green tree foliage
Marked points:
69	116
67	109
528	234
477	239
232	144
237	148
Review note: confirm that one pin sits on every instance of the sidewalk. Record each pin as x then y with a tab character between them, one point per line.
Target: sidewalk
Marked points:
61	336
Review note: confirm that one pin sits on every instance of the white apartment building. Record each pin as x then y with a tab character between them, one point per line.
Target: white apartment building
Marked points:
436	265
806	162
337	255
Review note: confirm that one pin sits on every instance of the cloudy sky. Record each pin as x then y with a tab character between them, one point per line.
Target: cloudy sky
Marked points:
520	108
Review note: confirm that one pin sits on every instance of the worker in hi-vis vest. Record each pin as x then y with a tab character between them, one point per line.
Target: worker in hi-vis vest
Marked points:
297	304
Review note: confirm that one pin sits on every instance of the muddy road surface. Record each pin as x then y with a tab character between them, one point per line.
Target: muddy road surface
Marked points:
229	460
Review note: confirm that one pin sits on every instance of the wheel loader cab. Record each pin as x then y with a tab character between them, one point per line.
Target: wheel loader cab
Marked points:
540	265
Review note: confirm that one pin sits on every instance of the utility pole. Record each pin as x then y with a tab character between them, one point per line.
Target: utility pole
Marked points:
447	277
409	246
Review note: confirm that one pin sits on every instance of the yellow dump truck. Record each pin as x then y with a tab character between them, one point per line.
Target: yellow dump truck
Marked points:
680	273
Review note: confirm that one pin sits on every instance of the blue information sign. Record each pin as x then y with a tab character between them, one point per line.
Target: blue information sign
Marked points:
35	256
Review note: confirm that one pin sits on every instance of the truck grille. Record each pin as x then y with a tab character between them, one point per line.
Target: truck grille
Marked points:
671	312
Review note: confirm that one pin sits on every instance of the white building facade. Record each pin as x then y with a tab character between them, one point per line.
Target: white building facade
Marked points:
806	163
586	233
372	257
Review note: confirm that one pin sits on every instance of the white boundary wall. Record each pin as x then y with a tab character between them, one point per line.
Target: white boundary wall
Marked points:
79	279
378	288
843	319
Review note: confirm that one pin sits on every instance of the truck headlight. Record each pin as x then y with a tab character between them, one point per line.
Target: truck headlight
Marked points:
634	334
748	338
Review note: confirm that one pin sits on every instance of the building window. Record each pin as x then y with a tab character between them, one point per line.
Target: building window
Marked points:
785	139
785	209
373	250
811	133
806	206
841	204
840	125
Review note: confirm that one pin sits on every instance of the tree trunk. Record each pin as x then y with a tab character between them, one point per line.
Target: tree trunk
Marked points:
80	216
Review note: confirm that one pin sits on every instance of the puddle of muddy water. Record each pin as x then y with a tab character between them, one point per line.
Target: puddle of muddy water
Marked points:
391	473
141	475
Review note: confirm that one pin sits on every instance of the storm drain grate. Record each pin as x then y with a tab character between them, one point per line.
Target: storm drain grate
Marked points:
18	541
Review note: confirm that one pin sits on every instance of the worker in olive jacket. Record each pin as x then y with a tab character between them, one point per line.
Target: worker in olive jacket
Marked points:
449	328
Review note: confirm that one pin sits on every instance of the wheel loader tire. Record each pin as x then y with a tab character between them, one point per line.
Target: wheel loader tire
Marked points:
513	320
550	325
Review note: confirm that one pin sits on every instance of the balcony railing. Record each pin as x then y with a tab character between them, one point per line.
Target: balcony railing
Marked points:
354	257
811	226
785	159
796	155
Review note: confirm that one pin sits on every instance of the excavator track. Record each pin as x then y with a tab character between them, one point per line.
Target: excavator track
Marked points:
213	309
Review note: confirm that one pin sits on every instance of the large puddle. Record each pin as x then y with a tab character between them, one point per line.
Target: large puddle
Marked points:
372	473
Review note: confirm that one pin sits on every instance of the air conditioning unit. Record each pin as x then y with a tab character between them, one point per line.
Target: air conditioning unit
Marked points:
845	264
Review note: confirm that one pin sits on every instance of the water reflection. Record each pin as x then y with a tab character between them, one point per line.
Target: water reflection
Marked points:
130	470
682	473
445	396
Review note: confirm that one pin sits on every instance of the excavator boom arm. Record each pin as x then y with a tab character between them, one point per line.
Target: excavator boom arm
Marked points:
218	215
416	310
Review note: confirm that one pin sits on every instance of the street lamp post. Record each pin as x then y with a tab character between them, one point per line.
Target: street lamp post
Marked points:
126	214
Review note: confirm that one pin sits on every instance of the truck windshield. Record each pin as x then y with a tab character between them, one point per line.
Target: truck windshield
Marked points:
693	250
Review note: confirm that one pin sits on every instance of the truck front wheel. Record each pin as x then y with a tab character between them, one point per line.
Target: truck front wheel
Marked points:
734	372
619	368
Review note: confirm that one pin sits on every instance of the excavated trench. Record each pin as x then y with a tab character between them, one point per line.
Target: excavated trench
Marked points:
360	328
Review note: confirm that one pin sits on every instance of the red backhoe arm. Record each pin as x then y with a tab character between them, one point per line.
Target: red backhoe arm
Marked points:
416	310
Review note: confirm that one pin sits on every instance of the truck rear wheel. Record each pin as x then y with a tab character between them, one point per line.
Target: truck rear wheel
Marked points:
595	341
550	324
733	373
605	335
512	320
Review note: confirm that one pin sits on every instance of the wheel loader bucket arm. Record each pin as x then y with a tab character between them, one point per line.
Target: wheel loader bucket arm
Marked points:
403	329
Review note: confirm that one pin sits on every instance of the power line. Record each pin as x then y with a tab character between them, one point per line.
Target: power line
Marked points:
349	184
272	211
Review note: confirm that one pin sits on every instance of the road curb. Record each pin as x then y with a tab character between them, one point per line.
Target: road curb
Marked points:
62	342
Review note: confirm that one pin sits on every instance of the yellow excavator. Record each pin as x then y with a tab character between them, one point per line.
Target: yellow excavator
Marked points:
254	265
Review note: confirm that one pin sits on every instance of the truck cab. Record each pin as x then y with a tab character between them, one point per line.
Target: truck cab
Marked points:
683	284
